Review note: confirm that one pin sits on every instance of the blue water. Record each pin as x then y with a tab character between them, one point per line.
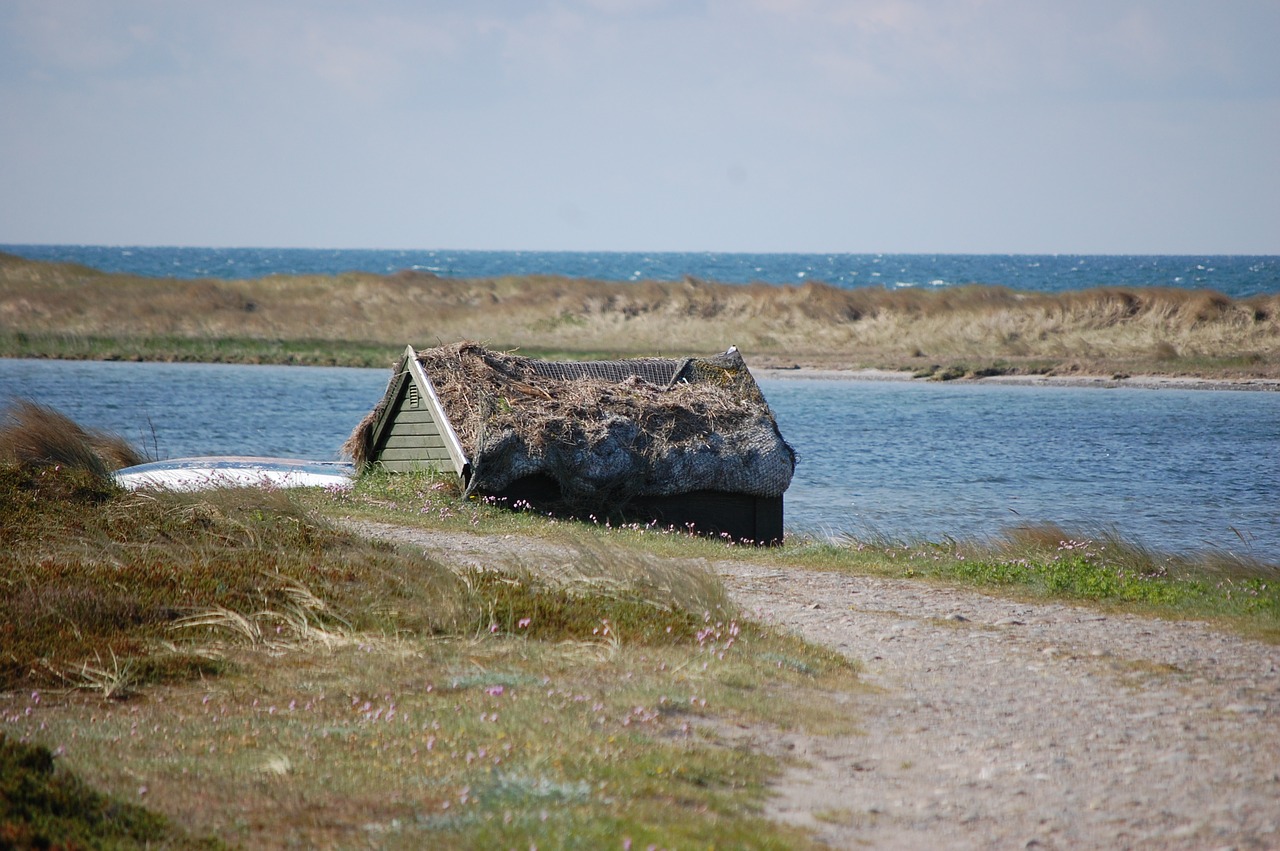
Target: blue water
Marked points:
1235	276
174	410
1175	470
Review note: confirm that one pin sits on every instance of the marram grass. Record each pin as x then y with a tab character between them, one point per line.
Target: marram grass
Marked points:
233	666
236	665
61	310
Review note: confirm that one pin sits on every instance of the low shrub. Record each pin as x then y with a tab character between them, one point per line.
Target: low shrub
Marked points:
44	806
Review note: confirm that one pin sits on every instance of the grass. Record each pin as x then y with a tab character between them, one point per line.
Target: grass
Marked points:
34	435
61	310
1236	591
1239	590
330	691
176	349
42	806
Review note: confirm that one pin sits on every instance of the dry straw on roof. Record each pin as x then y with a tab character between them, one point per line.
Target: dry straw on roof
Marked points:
609	431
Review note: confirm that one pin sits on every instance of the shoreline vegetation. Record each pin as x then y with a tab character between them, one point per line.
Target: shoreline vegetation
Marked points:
245	667
331	689
1114	336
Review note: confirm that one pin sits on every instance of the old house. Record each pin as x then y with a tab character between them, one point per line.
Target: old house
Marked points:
679	442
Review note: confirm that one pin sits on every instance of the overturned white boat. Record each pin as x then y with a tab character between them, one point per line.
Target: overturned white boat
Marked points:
230	471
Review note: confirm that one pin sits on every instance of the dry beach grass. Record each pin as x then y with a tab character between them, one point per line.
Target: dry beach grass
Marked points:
395	666
49	309
257	676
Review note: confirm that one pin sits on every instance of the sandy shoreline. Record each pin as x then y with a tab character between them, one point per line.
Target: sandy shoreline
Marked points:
1140	382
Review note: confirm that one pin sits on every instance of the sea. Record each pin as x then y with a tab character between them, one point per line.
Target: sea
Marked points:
1172	470
1234	276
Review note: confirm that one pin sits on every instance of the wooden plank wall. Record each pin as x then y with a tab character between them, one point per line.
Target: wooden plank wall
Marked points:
412	441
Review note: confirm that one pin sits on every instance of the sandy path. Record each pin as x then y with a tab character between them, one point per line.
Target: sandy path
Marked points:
1012	725
998	724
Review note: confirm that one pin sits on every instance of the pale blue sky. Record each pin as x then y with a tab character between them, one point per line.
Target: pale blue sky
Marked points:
1090	126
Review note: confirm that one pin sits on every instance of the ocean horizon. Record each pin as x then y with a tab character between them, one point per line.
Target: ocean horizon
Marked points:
1236	276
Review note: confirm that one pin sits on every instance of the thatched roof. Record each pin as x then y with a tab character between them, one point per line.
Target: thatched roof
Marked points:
606	431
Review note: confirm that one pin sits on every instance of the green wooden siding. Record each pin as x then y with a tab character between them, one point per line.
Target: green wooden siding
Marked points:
411	439
427	442
412	428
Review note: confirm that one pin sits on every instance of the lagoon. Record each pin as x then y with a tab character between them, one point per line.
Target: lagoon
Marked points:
1174	470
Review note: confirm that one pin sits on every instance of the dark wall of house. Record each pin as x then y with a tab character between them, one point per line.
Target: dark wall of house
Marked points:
738	517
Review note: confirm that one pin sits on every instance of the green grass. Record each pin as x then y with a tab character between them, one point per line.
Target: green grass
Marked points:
245	350
486	744
468	709
1237	590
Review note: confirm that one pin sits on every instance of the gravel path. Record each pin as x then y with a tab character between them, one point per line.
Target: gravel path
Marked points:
1011	725
999	724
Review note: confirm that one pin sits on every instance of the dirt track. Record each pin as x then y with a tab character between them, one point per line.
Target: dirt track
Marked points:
997	724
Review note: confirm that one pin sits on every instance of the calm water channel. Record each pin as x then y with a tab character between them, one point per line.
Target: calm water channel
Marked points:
1172	469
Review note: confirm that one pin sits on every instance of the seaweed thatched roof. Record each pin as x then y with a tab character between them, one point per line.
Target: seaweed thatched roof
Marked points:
606	431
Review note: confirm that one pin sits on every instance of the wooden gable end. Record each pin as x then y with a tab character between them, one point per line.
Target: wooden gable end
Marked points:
413	431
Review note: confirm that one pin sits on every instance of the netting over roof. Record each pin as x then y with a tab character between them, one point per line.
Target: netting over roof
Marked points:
659	371
608	431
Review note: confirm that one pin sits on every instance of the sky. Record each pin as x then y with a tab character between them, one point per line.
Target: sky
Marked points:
912	126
